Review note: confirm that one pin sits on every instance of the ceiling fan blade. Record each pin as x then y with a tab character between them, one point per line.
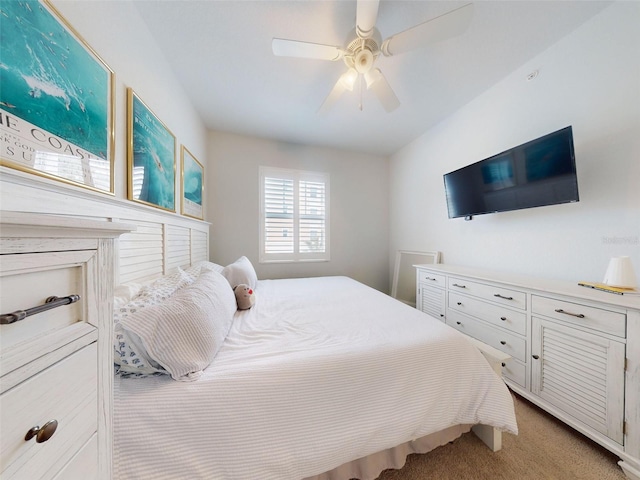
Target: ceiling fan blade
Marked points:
440	28
293	48
366	14
344	83
376	82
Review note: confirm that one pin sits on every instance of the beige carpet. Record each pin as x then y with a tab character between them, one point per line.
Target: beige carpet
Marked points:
545	449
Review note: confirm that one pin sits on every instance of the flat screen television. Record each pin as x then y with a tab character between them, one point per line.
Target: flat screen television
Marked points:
537	173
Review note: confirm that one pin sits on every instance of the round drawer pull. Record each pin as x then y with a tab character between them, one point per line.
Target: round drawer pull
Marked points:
504	319
43	433
536	357
459	303
502	342
504	364
459	323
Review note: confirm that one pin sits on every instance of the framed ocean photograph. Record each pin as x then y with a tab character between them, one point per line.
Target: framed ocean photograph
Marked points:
192	185
151	157
56	100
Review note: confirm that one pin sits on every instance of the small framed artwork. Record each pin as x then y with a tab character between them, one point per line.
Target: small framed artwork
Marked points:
192	185
56	101
151	157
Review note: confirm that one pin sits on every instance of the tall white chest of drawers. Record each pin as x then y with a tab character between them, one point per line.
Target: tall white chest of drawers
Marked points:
56	368
574	351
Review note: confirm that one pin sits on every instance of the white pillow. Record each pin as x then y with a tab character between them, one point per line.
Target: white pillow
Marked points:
194	270
241	271
129	354
123	293
184	333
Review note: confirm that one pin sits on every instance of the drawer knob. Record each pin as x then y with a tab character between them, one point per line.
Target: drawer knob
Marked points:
43	433
502	296
459	303
579	315
504	319
504	364
459	286
459	323
502	342
535	357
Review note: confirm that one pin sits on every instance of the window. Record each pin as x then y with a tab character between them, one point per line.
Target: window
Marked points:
294	215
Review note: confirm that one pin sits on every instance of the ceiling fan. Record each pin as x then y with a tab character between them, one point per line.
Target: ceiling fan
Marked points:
364	45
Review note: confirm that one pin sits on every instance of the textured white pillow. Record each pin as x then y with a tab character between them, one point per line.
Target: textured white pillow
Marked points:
194	270
123	293
152	293
241	271
184	333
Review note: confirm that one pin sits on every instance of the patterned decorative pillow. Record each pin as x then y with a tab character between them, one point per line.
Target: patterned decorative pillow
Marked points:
130	355
241	271
184	333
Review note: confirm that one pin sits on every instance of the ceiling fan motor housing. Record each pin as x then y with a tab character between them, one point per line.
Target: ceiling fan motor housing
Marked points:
361	53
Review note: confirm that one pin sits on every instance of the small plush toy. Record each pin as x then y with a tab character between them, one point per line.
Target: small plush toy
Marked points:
245	298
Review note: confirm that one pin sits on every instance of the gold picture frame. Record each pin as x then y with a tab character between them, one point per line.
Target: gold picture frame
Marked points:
57	109
151	157
192	174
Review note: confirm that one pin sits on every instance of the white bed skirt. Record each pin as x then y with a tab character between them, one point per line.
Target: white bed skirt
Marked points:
370	467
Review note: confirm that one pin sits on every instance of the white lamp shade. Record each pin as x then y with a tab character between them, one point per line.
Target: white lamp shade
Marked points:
620	273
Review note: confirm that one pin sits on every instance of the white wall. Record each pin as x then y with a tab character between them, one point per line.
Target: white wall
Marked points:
590	80
359	206
117	33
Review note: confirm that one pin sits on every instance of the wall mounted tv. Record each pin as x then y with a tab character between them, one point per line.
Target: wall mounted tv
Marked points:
537	173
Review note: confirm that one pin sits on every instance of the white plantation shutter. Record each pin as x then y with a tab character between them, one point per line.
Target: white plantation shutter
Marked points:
294	215
278	215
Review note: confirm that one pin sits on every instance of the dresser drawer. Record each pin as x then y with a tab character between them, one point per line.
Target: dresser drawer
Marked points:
83	464
432	279
613	323
515	371
504	341
512	298
26	281
65	392
513	320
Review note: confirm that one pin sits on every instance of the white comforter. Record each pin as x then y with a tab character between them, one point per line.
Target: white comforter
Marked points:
321	371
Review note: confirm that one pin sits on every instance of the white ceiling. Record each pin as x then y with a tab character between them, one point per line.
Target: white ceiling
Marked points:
221	53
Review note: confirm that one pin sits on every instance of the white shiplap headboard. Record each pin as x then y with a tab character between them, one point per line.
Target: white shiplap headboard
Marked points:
157	248
161	242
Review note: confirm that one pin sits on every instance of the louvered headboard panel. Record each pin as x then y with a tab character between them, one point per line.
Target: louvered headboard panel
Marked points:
142	252
159	248
199	246
178	247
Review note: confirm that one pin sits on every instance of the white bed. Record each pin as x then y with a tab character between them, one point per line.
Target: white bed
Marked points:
319	373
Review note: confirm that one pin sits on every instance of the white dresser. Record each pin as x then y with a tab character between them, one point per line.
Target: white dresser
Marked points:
574	351
56	368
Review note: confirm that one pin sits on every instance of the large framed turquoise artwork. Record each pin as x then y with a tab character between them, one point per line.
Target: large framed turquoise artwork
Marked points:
192	185
151	157
56	99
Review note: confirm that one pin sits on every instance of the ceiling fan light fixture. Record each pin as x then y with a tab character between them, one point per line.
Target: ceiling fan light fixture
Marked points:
348	79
